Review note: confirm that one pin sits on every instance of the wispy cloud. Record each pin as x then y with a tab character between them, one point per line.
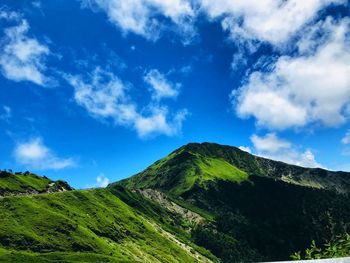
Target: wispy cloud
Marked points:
142	16
6	113
160	86
346	138
22	58
105	96
35	154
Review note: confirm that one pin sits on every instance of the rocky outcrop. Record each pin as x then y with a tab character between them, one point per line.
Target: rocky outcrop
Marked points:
58	186
160	198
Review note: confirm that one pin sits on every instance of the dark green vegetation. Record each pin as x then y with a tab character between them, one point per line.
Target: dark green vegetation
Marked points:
340	247
203	202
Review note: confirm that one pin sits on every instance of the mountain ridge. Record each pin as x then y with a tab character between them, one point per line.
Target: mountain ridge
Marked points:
234	158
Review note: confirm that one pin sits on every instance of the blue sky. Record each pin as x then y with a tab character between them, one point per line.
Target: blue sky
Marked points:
93	91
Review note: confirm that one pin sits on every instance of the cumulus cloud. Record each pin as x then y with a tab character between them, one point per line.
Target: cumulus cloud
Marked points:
102	181
273	21
160	86
36	155
105	96
313	86
147	17
272	147
22	58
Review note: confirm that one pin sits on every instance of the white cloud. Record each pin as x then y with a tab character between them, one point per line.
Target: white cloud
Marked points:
245	148
22	57
269	143
273	21
346	138
313	86
105	96
142	16
102	96
102	181
157	122
160	86
34	154
272	147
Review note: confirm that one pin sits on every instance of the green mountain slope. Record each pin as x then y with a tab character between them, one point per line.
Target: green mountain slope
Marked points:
261	209
197	163
202	203
88	225
184	168
28	183
92	226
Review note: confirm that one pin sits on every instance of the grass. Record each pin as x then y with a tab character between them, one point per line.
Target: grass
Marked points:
63	257
204	170
213	169
22	182
73	225
180	171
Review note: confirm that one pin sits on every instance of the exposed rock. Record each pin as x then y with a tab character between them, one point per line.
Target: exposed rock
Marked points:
58	186
163	200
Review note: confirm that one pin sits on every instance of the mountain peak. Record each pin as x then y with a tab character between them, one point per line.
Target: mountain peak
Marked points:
196	164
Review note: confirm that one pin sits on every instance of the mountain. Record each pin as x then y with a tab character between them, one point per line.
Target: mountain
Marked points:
201	203
261	209
197	164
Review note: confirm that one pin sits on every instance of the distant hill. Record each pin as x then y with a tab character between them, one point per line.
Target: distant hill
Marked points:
201	203
29	183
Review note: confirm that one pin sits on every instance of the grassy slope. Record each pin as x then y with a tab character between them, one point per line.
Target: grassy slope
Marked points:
20	183
182	169
68	226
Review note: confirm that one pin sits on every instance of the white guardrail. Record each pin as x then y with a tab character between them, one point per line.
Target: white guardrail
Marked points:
330	260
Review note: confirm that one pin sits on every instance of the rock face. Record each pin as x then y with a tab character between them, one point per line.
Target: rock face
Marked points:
164	201
18	184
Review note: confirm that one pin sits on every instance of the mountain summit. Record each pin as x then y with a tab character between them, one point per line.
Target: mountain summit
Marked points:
196	164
